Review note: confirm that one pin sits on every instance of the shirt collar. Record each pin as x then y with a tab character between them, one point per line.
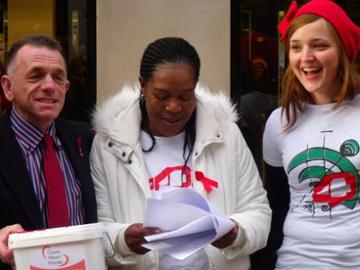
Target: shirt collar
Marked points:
27	134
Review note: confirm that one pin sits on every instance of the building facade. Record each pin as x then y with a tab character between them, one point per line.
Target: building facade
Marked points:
103	41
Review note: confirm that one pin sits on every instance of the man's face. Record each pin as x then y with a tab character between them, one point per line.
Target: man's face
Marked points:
36	84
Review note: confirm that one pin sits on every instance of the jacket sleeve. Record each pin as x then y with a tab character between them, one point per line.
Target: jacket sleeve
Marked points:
252	211
116	249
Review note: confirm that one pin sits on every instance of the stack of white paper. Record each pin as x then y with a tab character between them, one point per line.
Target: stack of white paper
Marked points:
187	221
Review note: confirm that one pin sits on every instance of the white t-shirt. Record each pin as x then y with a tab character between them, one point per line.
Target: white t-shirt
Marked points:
321	158
165	166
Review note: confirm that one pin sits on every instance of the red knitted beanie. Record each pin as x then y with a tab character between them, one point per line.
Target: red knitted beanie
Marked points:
348	31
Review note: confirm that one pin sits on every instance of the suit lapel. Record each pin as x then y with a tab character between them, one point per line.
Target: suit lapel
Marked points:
76	142
14	171
71	142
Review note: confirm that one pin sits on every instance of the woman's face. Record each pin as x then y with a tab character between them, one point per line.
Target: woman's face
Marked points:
169	98
314	58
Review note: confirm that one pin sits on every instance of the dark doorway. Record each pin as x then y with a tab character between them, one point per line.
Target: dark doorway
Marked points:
76	30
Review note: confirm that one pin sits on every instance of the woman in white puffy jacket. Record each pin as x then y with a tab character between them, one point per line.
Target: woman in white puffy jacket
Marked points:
149	136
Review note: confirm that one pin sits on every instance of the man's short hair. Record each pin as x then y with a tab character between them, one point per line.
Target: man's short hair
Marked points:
36	40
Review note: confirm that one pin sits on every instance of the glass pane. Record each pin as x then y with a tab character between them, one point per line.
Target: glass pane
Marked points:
71	30
255	82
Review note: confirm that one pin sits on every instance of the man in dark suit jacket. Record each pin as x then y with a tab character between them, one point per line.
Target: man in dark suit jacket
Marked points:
36	83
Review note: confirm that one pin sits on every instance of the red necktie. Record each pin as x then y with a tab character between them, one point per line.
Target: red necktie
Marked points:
56	202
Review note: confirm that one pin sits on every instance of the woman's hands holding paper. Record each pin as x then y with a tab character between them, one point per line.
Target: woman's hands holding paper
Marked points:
134	237
228	238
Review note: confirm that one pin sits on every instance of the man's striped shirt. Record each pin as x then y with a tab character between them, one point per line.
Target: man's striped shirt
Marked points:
31	144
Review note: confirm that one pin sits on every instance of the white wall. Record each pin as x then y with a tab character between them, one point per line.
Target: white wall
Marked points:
126	27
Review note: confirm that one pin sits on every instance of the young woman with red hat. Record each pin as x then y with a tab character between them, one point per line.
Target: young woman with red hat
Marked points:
315	137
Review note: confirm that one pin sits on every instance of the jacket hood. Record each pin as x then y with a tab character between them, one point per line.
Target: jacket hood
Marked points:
121	112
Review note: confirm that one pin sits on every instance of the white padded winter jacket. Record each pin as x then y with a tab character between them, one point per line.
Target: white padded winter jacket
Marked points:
121	181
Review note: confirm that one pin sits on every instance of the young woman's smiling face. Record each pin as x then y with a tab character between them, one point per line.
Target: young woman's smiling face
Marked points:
169	98
314	58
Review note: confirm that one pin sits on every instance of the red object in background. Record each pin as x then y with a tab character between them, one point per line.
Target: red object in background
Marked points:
258	44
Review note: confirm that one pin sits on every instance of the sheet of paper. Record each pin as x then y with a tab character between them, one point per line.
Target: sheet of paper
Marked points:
187	221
